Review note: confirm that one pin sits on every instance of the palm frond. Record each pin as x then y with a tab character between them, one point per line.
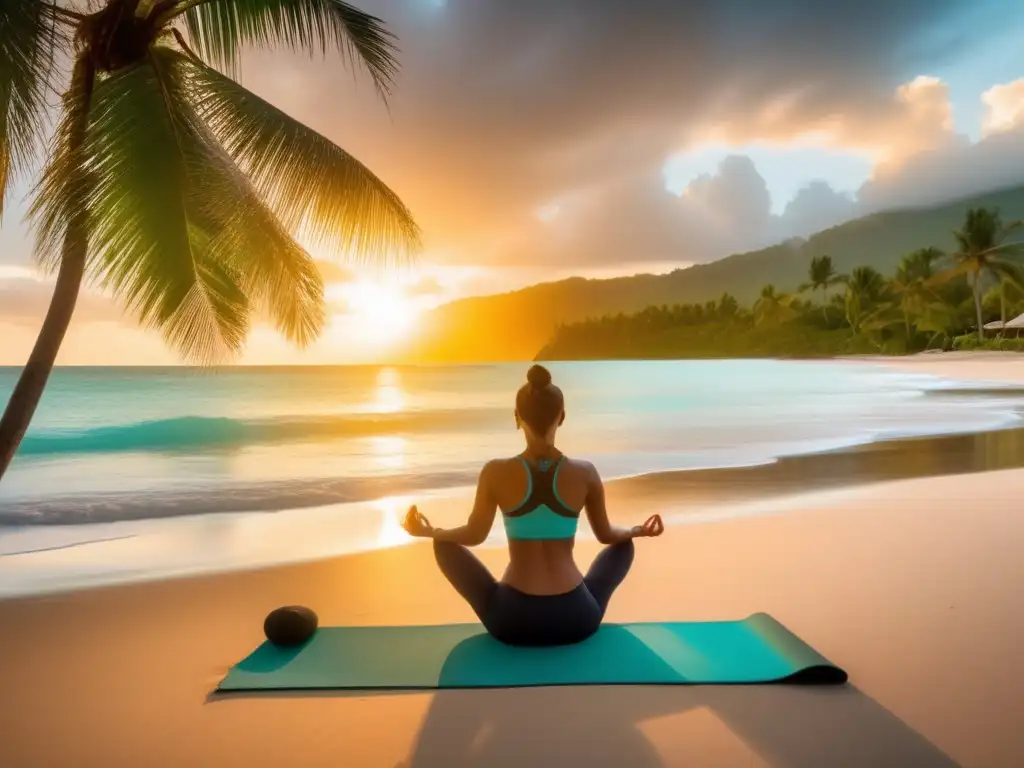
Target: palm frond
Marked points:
63	189
197	252
30	39
219	28
882	317
959	269
318	190
154	244
937	317
1007	272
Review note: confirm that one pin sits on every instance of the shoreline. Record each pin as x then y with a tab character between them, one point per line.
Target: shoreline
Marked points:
40	558
294	536
293	493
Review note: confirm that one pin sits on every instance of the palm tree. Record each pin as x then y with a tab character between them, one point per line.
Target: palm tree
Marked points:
912	282
865	290
982	251
772	308
171	185
728	306
1007	293
823	276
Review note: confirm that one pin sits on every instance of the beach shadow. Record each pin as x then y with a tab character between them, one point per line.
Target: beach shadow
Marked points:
641	726
786	726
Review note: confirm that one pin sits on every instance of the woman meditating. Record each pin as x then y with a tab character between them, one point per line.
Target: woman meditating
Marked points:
543	598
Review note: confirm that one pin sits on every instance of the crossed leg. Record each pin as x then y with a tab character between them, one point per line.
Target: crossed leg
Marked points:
467	574
608	570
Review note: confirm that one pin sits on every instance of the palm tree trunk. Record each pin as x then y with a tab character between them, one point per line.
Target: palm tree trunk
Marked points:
977	305
32	381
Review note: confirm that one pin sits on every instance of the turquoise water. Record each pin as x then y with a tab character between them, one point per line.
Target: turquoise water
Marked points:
114	444
163	471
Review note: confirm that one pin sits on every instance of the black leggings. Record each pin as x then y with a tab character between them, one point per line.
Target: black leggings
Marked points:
516	618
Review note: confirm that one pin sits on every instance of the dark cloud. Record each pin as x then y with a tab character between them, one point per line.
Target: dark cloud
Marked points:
503	106
815	207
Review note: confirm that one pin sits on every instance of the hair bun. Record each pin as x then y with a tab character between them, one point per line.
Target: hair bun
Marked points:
538	376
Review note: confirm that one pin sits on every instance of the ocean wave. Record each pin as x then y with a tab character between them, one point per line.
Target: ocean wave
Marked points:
271	496
200	433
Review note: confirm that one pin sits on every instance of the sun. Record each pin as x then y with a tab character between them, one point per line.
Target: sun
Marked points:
380	312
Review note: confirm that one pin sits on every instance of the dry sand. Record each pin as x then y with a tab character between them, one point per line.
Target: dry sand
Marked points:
914	587
967	366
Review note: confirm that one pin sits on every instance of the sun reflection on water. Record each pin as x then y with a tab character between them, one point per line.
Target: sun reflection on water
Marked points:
388	451
388	396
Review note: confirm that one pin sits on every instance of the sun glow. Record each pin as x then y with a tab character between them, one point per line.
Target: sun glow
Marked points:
381	313
388	397
392	509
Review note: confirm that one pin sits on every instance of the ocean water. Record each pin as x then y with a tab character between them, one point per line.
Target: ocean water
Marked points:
174	456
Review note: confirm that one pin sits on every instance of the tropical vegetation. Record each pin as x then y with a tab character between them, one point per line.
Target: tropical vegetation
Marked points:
934	300
172	186
477	329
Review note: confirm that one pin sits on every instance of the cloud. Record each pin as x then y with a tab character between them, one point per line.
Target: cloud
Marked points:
951	165
503	108
1004	107
24	301
925	163
733	202
815	207
332	272
425	286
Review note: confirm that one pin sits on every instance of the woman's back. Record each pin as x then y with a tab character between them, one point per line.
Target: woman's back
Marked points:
539	566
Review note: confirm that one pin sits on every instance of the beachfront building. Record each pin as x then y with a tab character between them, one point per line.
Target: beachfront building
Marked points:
1011	329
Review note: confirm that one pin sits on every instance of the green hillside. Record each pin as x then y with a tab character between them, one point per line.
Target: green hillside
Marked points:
514	326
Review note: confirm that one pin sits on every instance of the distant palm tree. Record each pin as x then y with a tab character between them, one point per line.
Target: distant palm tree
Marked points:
823	277
772	307
865	290
173	186
912	282
728	306
982	251
1008	292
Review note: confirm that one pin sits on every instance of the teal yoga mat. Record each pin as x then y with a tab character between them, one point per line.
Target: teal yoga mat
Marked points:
755	650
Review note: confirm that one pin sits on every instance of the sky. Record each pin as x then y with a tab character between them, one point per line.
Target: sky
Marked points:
538	140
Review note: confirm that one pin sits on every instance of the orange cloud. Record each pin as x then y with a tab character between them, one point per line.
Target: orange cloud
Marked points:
332	272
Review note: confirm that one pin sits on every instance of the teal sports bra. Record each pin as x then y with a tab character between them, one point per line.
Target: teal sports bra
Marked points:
541	514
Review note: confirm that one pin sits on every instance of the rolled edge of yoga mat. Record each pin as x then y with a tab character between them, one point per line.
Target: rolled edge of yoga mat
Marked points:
812	667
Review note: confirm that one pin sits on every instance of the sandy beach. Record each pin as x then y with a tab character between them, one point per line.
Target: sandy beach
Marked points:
965	366
912	586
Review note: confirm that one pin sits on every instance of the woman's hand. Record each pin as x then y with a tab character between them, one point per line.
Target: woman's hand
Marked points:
417	525
652	527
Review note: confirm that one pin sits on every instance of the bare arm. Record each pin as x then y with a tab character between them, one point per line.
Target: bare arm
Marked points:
480	519
597	512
